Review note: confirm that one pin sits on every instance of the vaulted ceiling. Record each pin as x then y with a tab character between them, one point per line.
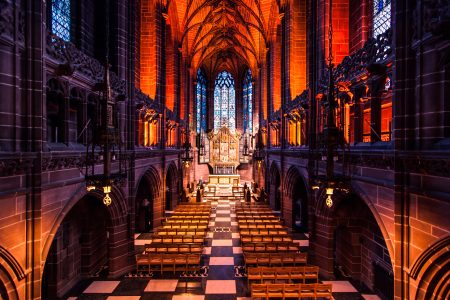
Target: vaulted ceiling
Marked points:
225	34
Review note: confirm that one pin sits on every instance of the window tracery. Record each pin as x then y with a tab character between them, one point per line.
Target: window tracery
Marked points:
248	105
201	101
60	18
381	16
224	102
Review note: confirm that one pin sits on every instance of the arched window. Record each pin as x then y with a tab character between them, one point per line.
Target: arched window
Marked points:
61	14
381	16
248	105
224	102
201	101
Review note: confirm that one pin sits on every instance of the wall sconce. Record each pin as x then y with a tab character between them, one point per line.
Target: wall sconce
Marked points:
329	200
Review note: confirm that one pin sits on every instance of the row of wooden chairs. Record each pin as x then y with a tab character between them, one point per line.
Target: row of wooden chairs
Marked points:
189	217
270	247
185	226
179	231
252	204
275	259
193	204
297	291
190	213
174	248
258	220
167	262
260	226
299	274
248	238
262	216
253	211
178	220
240	213
262	231
204	209
177	239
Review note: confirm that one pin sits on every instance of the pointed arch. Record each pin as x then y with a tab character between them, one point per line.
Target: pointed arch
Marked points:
431	269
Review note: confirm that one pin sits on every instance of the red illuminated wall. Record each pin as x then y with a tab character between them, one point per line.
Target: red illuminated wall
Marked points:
149	48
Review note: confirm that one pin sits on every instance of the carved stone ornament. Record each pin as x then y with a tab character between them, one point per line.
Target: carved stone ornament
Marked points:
75	60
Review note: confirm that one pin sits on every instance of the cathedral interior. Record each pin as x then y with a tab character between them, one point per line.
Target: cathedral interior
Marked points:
224	149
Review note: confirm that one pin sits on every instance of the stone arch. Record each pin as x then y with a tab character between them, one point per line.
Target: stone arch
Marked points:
117	210
82	247
296	197
259	173
431	270
147	193
355	245
325	212
274	191
172	186
11	272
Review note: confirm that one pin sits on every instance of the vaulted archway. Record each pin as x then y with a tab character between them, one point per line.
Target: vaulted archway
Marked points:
297	198
80	249
275	188
146	196
172	188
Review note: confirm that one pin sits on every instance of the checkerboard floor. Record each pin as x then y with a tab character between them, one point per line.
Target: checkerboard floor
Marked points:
222	252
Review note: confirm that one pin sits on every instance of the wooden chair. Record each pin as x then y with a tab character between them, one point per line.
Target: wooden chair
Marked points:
259	291
275	291
142	262
323	291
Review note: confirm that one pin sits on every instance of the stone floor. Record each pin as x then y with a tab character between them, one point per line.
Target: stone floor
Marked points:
221	254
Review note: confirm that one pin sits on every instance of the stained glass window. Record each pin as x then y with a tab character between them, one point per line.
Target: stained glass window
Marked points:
224	102
61	18
201	101
248	105
381	16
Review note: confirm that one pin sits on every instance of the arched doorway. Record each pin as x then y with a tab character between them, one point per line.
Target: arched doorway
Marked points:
275	188
298	196
145	199
360	252
171	187
79	249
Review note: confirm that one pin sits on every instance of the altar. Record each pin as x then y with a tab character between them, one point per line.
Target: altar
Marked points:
224	179
224	151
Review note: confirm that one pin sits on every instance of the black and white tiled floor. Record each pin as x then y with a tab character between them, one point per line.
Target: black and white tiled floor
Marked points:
222	253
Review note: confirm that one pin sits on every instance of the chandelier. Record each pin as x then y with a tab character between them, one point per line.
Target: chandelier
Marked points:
259	152
245	147
186	156
201	147
330	184
105	146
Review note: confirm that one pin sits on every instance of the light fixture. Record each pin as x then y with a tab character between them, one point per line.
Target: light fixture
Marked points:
259	153
329	200
333	185
107	199
186	155
202	150
245	152
106	144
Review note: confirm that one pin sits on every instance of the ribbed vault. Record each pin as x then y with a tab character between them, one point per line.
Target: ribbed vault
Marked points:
225	34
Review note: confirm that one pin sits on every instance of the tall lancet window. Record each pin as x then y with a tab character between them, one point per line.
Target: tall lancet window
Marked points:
248	102
60	13
201	101
381	16
224	102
